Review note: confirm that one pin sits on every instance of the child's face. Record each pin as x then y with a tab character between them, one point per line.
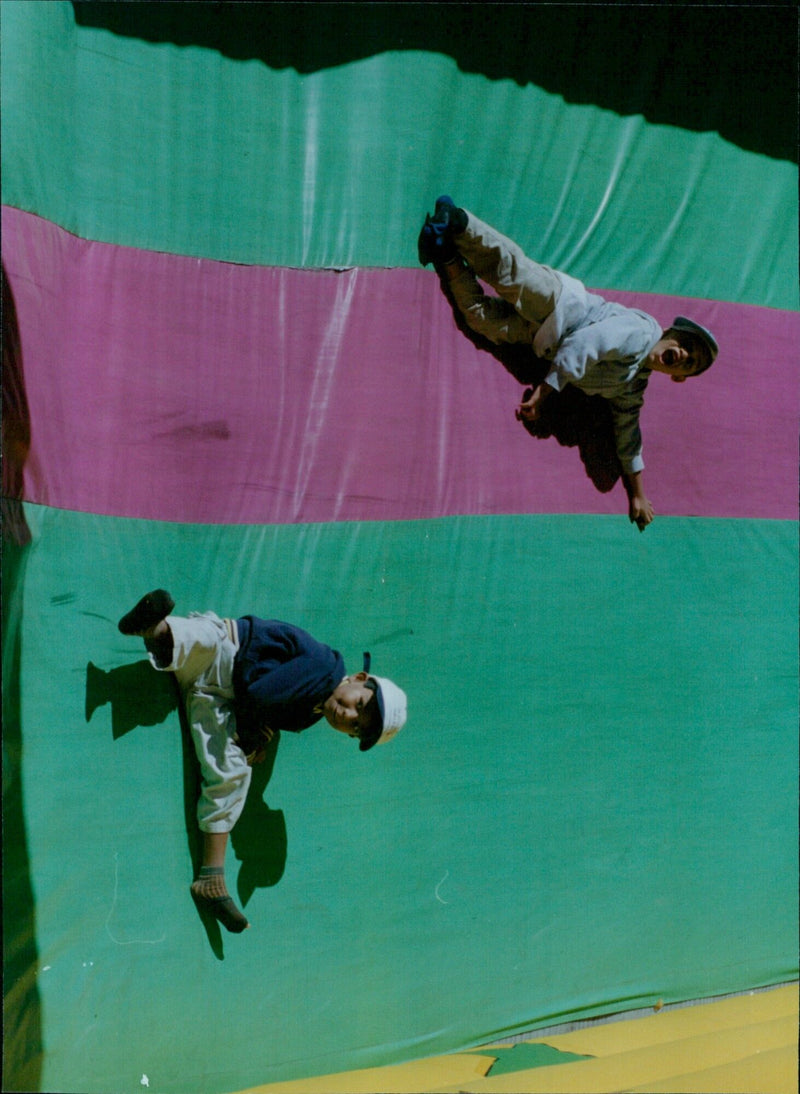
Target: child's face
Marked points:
351	706
680	359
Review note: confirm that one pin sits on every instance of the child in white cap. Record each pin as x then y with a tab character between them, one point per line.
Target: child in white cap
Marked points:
243	680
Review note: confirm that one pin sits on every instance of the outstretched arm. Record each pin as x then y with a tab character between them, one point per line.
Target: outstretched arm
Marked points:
628	437
640	509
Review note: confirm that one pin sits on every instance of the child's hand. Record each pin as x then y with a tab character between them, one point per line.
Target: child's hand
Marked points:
527	411
531	408
640	512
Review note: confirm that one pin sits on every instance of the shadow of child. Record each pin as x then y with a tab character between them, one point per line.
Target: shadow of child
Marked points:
259	838
138	696
578	420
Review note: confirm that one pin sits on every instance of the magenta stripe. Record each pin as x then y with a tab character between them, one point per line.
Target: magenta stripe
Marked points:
182	389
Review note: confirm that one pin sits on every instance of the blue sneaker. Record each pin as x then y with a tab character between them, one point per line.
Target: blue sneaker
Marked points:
435	243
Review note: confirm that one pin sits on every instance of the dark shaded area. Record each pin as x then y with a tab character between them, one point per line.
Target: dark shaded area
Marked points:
16	429
571	417
138	695
723	68
259	838
22	1008
22	1011
578	420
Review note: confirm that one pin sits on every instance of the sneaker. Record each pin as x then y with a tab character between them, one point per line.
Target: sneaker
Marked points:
151	609
435	243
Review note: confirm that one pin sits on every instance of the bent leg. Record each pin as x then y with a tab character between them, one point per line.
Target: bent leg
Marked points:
202	652
203	647
199	651
223	765
225	782
489	316
530	288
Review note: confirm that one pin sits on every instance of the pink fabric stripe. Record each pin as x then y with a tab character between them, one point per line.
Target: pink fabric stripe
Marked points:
181	389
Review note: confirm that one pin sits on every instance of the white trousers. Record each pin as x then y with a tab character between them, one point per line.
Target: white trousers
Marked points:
528	292
202	660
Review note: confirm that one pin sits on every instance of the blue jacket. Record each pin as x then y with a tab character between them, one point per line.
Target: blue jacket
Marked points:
281	676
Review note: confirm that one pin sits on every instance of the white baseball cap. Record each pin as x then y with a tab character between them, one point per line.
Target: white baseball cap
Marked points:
393	705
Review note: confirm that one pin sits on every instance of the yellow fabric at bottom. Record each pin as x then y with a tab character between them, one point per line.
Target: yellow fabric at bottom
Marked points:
772	1072
742	1045
605	1038
646	1066
416	1077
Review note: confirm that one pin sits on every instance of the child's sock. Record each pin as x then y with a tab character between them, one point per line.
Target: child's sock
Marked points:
211	894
